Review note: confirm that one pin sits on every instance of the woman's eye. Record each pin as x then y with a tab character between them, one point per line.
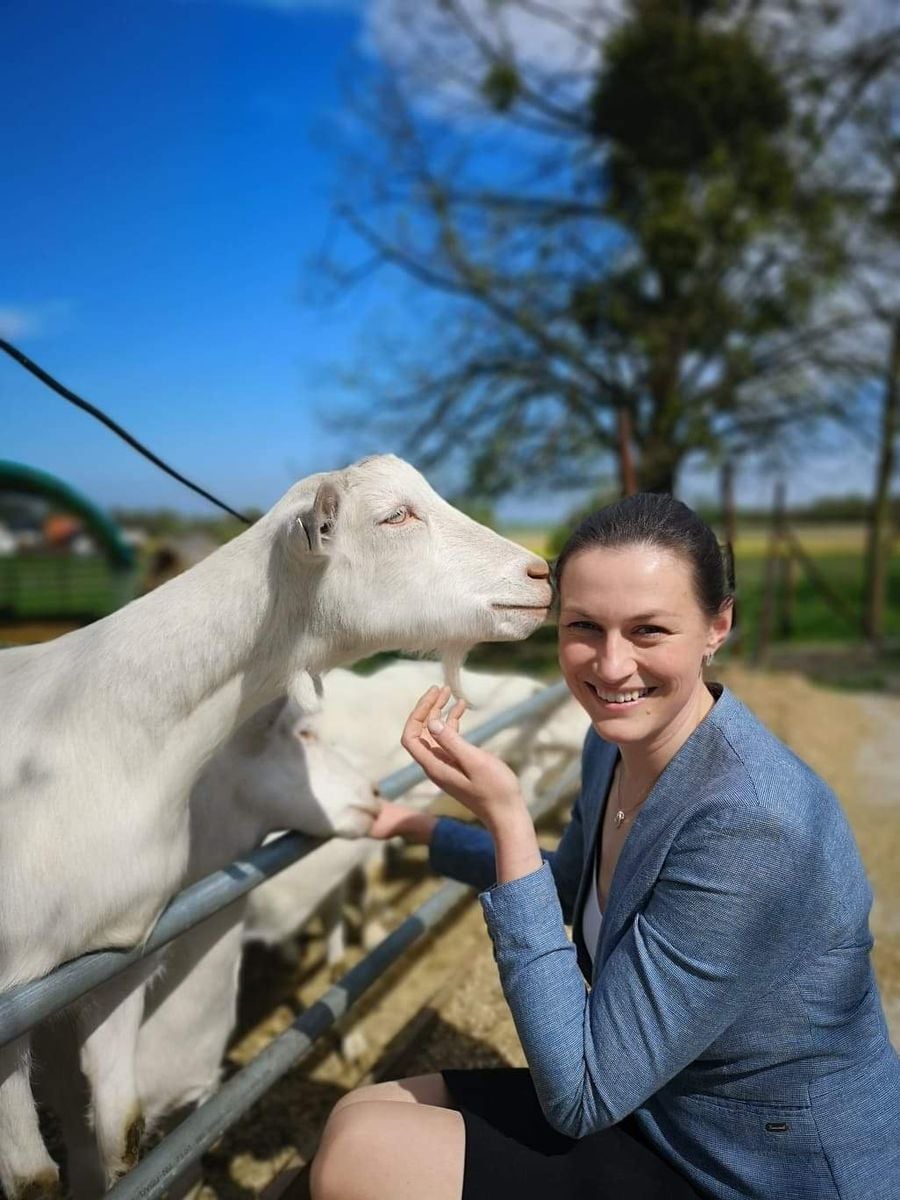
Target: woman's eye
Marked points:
398	516
588	625
648	630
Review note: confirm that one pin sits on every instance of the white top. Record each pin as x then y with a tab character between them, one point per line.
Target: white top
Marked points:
592	917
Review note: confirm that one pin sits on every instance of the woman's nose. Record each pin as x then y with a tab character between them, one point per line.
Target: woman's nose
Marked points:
614	661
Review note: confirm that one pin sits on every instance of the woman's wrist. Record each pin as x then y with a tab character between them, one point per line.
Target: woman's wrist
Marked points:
418	827
509	820
398	820
516	848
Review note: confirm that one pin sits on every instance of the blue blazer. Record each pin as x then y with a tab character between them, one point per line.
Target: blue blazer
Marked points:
731	1004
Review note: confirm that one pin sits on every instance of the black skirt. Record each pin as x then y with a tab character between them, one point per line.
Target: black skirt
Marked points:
512	1151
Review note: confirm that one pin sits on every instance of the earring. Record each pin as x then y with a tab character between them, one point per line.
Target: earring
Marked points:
708	658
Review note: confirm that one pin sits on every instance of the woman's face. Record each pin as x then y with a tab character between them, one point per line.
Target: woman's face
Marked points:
632	637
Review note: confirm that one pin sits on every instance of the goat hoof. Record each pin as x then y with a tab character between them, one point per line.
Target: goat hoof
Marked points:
133	1140
44	1186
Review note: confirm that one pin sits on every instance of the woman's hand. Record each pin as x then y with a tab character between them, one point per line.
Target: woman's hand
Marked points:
480	781
399	820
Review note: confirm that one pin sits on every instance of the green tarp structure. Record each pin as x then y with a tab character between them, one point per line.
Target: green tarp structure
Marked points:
52	584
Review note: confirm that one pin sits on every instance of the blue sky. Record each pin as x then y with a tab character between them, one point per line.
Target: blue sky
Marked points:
168	179
163	196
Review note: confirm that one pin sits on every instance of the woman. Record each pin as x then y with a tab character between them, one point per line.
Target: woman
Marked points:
715	1030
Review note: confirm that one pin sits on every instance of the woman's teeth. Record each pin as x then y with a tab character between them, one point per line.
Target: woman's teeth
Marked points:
620	697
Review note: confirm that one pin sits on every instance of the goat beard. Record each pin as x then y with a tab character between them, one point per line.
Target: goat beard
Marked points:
452	659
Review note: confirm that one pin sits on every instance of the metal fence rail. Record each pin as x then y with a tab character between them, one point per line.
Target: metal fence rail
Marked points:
188	1143
23	1007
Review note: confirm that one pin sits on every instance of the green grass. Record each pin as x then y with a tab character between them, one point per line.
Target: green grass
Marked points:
804	613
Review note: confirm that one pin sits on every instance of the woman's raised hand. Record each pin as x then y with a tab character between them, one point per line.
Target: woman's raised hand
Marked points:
480	781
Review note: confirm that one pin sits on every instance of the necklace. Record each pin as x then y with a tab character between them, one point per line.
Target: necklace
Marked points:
621	814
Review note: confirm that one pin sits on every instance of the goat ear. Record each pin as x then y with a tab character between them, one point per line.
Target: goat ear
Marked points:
255	730
318	523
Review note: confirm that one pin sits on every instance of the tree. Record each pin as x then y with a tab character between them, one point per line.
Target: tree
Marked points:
875	199
634	251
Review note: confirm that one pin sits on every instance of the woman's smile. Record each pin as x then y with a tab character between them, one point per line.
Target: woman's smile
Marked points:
615	699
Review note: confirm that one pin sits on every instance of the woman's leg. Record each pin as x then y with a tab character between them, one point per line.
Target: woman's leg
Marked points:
397	1140
418	1089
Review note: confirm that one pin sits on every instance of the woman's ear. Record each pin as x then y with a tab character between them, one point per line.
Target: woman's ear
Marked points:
720	626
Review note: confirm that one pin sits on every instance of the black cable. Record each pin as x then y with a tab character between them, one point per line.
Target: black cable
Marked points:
24	361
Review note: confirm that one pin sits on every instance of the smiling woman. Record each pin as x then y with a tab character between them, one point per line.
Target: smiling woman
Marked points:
715	1031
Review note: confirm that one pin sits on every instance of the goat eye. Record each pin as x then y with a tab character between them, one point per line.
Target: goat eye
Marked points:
398	516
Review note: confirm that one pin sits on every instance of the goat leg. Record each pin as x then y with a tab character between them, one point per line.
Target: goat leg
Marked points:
27	1172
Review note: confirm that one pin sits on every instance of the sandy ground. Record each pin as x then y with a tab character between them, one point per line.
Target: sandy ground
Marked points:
443	1006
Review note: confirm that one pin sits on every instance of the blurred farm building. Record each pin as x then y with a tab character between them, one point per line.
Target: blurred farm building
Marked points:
60	555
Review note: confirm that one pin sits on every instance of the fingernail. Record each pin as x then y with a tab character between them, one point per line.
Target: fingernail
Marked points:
436	726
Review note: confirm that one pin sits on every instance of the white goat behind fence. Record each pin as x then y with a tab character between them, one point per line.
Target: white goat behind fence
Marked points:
104	731
363	717
278	769
274	771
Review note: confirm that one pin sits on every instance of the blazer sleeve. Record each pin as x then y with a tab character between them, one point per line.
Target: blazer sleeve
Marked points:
730	914
465	851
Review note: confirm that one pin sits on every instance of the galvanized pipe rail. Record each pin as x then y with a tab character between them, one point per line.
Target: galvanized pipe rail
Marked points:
188	1143
25	1006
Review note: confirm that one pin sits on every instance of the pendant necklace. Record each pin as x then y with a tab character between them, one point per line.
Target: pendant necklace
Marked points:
621	814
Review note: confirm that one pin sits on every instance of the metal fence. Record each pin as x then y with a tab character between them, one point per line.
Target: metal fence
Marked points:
24	1007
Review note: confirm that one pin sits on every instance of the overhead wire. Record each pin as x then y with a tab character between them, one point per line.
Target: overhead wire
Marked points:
67	394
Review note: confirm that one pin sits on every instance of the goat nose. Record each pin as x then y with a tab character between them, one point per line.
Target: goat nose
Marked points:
538	569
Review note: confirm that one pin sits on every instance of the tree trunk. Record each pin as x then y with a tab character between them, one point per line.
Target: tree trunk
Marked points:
770	578
726	493
627	478
878	546
658	468
661	453
729	532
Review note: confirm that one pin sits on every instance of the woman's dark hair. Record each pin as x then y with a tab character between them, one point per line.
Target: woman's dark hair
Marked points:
653	519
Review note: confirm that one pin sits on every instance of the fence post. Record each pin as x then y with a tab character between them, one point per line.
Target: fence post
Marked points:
770	581
736	642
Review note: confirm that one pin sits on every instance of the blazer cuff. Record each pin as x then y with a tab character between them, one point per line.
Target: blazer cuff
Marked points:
525	913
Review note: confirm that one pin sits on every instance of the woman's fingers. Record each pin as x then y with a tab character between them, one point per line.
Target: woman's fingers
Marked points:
455	715
415	722
440	767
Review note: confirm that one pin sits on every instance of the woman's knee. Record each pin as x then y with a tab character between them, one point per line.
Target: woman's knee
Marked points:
348	1139
387	1149
419	1089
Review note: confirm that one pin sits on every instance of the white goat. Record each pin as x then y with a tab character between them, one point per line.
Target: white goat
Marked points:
363	717
105	730
260	779
274	772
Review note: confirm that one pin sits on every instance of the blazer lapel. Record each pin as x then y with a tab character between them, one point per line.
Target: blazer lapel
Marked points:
643	853
639	864
600	786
